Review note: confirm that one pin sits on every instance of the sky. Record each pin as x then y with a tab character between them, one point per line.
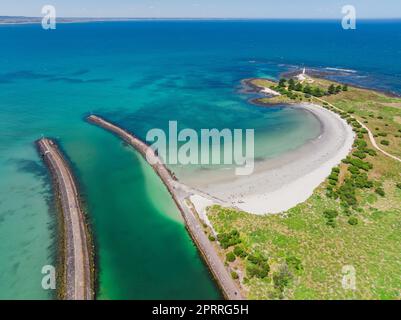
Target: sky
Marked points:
277	9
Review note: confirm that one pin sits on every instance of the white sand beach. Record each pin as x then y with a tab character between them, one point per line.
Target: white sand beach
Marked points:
281	183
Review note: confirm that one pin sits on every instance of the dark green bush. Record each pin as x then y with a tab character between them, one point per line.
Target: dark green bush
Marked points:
353	221
380	192
359	154
385	142
229	239
240	252
230	257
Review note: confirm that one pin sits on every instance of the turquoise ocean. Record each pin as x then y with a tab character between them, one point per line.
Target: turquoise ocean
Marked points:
142	74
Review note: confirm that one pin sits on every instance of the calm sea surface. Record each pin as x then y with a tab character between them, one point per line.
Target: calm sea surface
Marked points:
142	75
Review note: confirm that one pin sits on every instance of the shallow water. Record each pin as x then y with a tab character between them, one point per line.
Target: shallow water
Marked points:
141	75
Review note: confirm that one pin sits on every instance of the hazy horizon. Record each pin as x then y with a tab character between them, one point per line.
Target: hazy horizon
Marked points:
205	9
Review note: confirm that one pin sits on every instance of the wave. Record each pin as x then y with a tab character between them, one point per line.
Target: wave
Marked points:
340	69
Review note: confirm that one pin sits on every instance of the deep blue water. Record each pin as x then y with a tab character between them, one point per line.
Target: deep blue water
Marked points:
142	74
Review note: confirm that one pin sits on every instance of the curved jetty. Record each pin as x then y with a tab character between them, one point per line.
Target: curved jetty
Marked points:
77	277
180	194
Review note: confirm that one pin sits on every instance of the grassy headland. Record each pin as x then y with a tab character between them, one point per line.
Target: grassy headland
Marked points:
352	219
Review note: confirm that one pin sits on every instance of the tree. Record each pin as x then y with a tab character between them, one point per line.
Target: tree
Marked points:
234	275
331	89
298	86
291	84
282	82
317	92
239	252
345	87
308	89
338	89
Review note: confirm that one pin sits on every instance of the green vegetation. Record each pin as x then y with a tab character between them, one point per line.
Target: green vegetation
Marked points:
295	90
385	142
330	216
380	192
352	218
257	266
229	239
240	252
230	257
353	221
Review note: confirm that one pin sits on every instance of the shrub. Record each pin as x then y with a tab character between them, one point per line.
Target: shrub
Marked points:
282	277
294	262
398	185
239	252
298	87
330	215
257	258
229	239
282	82
257	266
234	275
359	154
332	89
347	212
333	182
230	257
361	164
360	143
346	193
380	117
353	221
353	169
260	271
371	152
361	181
380	192
212	238
382	134
334	176
385	142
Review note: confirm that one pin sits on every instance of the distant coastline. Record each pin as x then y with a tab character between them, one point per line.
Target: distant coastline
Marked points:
12	20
